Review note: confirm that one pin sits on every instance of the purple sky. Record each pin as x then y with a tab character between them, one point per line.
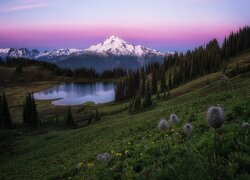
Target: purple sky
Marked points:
165	25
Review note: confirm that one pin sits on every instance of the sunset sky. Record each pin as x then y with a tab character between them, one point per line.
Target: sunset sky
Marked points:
165	25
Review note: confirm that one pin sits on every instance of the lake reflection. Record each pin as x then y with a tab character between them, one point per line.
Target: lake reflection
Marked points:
78	93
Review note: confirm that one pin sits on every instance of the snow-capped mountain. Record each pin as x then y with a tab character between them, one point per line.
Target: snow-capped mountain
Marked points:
116	46
113	52
36	54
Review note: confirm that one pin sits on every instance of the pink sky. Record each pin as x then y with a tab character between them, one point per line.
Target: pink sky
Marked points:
166	26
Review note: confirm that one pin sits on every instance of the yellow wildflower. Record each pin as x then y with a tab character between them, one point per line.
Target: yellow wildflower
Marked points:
118	154
90	164
172	130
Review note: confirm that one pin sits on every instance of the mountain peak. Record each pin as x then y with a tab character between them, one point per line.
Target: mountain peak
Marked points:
114	39
114	45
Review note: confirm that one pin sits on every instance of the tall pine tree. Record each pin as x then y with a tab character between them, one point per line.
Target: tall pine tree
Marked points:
154	82
69	118
147	102
30	117
163	81
5	118
1	113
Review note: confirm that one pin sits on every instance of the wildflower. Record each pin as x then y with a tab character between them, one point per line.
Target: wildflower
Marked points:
245	125
215	117
105	157
173	119
187	128
126	151
90	164
79	165
118	154
172	130
163	125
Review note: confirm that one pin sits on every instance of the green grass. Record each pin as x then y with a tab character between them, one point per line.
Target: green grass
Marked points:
138	149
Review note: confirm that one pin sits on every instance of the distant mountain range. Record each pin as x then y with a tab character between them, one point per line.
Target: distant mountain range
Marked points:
112	53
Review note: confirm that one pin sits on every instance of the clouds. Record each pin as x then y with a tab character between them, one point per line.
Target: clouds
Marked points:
14	6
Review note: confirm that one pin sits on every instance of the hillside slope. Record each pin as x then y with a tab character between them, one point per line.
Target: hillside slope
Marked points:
138	149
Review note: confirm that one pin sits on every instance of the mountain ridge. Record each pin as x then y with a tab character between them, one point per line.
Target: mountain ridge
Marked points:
111	53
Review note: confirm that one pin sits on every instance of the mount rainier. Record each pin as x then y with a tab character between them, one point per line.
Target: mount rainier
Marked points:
112	53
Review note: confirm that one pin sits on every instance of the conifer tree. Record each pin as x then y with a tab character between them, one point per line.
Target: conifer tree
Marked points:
163	81
97	116
147	98
69	118
170	84
158	95
30	117
5	118
6	112
154	82
1	113
164	93
135	104
143	80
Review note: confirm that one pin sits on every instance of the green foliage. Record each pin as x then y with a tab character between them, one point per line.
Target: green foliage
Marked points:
242	110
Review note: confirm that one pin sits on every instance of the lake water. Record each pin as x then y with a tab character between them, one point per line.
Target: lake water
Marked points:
78	93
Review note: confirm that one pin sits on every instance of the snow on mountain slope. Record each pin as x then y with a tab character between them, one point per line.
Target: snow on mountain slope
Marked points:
4	51
116	46
112	50
59	52
35	54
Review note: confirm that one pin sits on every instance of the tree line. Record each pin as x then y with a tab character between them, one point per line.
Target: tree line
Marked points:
83	72
180	68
